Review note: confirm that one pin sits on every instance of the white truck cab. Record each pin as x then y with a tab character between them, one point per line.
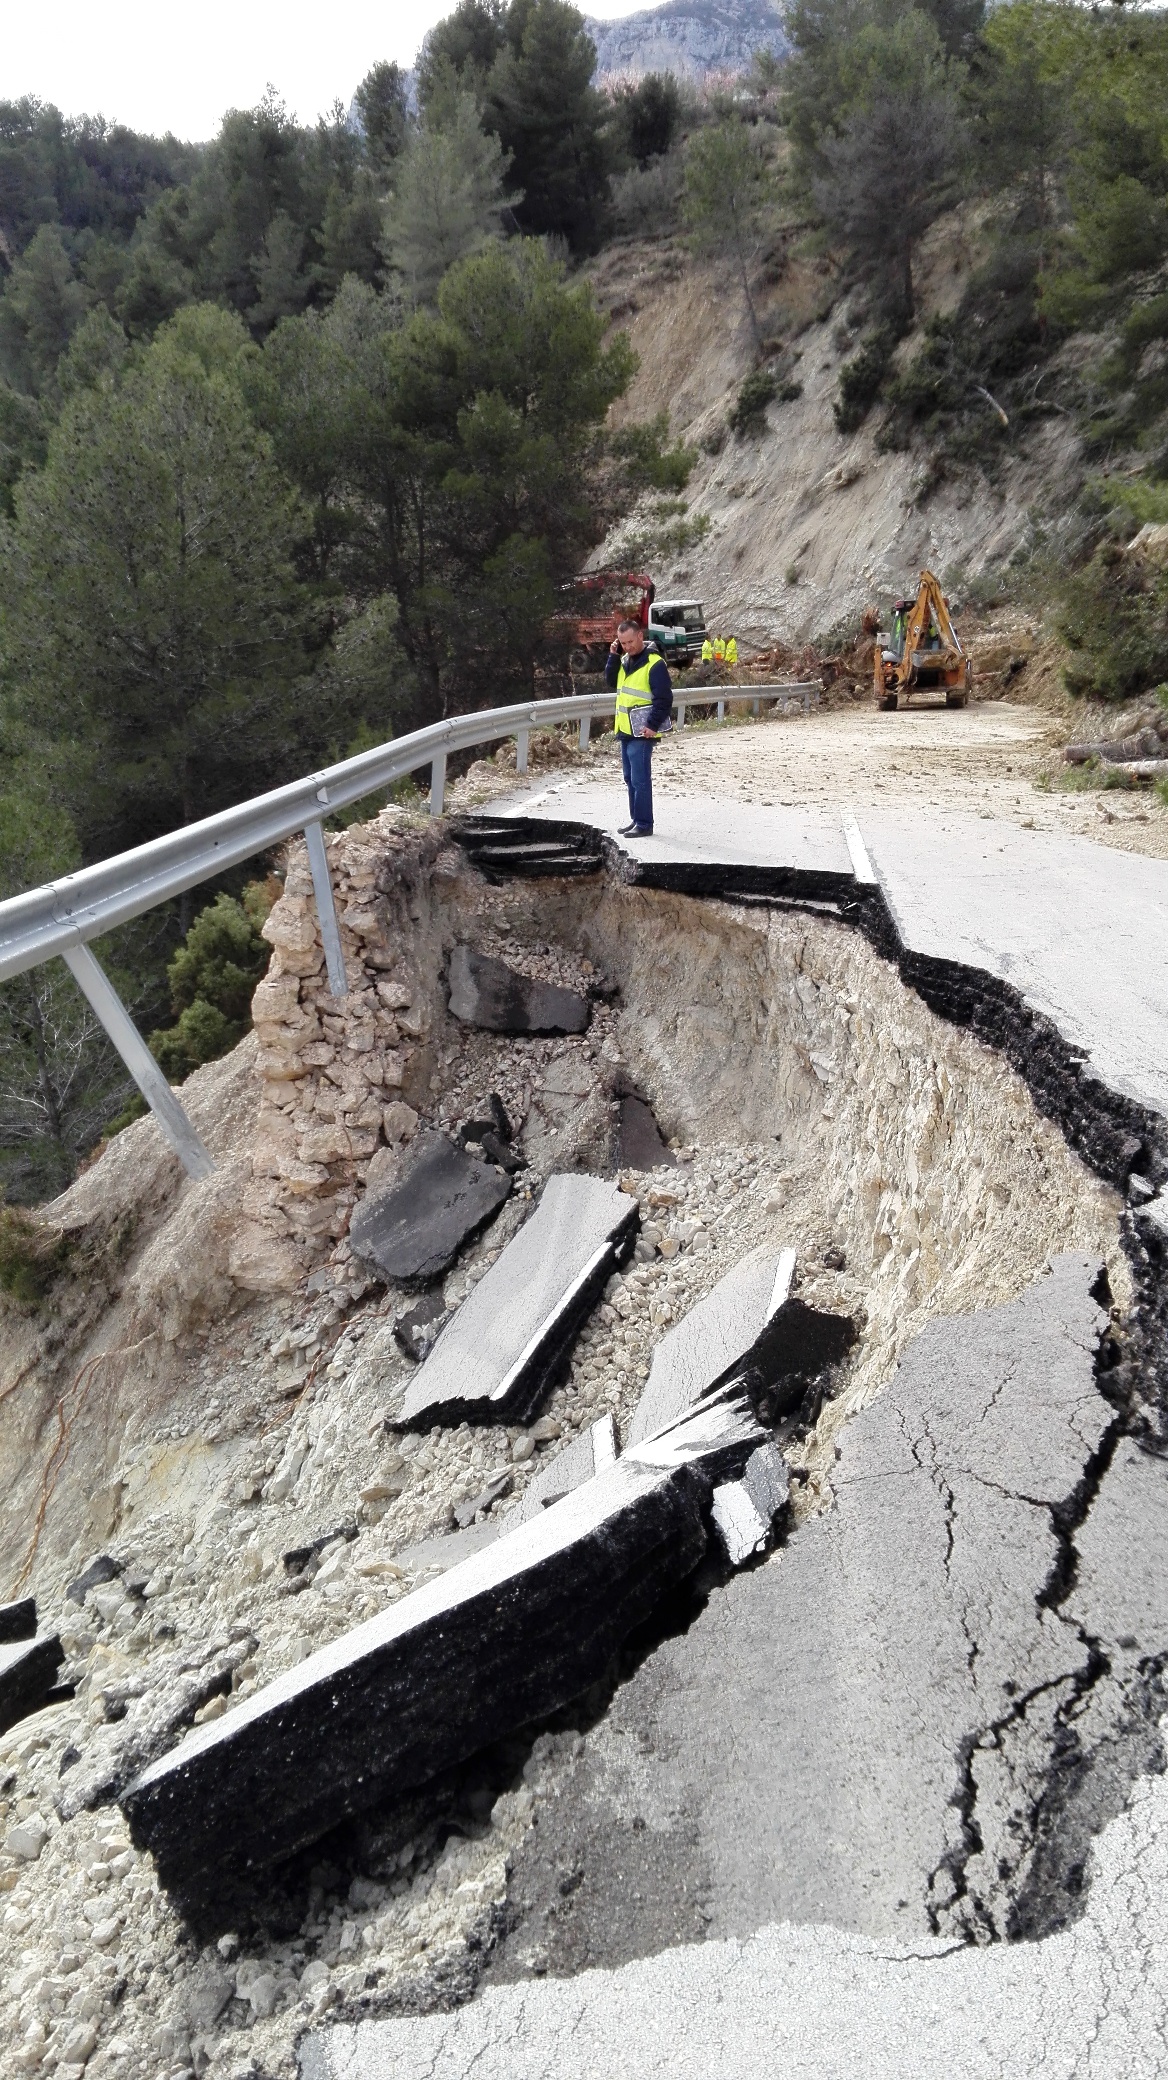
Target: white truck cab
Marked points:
678	627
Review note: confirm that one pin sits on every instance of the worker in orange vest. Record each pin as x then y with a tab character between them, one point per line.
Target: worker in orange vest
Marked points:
719	650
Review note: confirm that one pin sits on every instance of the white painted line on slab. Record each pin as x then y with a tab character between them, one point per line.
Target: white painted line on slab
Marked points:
784	1273
862	867
603	1443
509	1381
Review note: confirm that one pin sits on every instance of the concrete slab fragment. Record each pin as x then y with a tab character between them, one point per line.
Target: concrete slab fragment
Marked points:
498	1356
28	1670
691	1355
413	1232
487	992
587	1455
745	1511
507	1636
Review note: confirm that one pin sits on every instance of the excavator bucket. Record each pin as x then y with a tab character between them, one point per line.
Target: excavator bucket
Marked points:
921	652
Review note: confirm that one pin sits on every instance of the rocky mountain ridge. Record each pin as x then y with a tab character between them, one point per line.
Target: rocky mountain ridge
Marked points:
690	37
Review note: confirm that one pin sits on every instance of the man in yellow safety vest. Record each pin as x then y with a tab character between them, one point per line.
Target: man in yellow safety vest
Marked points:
644	697
719	650
707	651
732	650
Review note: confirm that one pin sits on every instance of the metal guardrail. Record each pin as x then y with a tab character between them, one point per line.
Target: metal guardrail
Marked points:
63	916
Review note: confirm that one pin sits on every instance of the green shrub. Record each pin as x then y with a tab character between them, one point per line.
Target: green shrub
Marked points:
1115	619
861	380
212	979
31	1256
748	413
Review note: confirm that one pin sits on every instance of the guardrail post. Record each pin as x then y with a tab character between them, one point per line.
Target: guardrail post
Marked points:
756	707
326	910
522	738
681	714
585	731
437	782
95	984
721	711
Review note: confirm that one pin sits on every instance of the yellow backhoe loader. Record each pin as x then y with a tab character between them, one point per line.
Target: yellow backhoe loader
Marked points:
921	653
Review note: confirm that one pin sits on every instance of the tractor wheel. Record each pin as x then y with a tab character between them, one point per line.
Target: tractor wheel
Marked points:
580	661
956	697
887	702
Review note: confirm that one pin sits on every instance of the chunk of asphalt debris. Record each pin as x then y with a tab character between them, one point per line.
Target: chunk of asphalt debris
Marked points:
298	1558
464	1513
791	1358
418	1329
579	1461
500	1354
641	1143
18	1620
102	1569
485	992
691	1356
745	1511
512	1633
412	1232
28	1672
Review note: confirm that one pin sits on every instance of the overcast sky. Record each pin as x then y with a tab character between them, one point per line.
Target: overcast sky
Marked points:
160	68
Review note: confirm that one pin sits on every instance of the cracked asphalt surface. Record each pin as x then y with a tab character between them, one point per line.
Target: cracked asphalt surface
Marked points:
791	1841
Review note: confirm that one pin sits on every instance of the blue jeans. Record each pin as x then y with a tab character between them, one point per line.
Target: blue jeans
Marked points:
637	766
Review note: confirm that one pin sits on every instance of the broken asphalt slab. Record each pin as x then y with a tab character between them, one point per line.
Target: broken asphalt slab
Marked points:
865	1729
487	992
498	1357
750	1320
507	1636
18	1620
817	2003
413	1232
1035	909
28	1671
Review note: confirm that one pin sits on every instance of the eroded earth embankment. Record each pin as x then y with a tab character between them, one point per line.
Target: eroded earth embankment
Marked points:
208	1396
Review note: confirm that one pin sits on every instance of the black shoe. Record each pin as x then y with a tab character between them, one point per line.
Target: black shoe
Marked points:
639	830
627	830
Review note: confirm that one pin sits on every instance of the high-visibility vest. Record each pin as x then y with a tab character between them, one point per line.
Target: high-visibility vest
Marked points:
732	650
707	652
632	689
719	649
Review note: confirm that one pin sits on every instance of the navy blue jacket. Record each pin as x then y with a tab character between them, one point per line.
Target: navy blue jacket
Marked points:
660	687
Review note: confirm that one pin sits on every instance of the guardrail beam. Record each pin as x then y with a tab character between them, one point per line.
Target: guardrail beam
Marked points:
95	984
326	909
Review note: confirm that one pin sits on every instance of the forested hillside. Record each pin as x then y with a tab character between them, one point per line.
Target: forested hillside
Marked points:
302	430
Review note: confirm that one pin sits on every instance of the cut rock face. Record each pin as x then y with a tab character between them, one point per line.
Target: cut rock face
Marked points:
486	992
506	1637
28	1670
413	1232
499	1356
